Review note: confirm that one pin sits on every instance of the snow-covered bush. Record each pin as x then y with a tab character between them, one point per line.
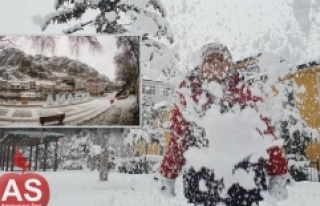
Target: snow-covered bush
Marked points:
75	151
112	159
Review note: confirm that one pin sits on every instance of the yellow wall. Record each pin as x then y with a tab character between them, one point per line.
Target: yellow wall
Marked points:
309	105
166	133
141	148
166	115
154	148
166	136
313	153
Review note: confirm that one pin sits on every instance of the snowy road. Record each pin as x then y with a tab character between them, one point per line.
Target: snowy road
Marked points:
75	114
83	188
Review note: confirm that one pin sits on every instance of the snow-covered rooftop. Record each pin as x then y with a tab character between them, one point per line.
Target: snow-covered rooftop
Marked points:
44	82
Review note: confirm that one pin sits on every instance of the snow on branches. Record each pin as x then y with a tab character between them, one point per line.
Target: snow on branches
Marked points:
113	17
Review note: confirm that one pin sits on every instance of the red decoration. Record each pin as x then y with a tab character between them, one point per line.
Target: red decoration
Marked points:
20	161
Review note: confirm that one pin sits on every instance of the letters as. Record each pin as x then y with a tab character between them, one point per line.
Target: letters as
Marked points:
12	190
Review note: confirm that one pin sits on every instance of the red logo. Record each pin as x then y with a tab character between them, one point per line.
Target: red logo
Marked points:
26	189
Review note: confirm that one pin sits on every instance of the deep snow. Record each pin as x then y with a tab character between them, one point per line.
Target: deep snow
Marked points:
83	188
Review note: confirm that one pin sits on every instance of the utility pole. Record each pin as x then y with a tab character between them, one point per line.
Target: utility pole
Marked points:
96	90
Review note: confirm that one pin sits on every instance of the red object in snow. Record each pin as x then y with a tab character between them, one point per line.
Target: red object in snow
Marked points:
173	160
20	161
111	101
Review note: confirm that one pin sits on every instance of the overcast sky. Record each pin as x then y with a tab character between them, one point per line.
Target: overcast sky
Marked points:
102	61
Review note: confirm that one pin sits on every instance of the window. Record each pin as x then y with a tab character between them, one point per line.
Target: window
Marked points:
167	92
149	89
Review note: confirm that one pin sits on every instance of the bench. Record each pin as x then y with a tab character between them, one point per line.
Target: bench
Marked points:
53	118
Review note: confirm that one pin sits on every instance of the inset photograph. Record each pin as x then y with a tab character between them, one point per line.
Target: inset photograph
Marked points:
69	81
92	166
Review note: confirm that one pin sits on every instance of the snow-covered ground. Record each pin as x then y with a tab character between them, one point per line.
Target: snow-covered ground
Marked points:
75	114
83	188
121	112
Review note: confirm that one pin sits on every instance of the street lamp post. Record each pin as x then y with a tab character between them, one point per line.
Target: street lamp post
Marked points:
6	92
7	86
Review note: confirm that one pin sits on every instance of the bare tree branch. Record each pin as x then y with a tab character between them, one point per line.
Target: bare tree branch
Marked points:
7	41
77	42
48	44
44	44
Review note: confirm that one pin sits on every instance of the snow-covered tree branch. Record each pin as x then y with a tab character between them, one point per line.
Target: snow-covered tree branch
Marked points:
114	16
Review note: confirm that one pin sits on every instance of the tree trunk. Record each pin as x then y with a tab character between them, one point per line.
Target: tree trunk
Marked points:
104	160
91	163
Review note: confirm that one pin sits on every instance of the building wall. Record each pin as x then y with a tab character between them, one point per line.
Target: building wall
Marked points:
157	95
155	147
309	106
313	153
